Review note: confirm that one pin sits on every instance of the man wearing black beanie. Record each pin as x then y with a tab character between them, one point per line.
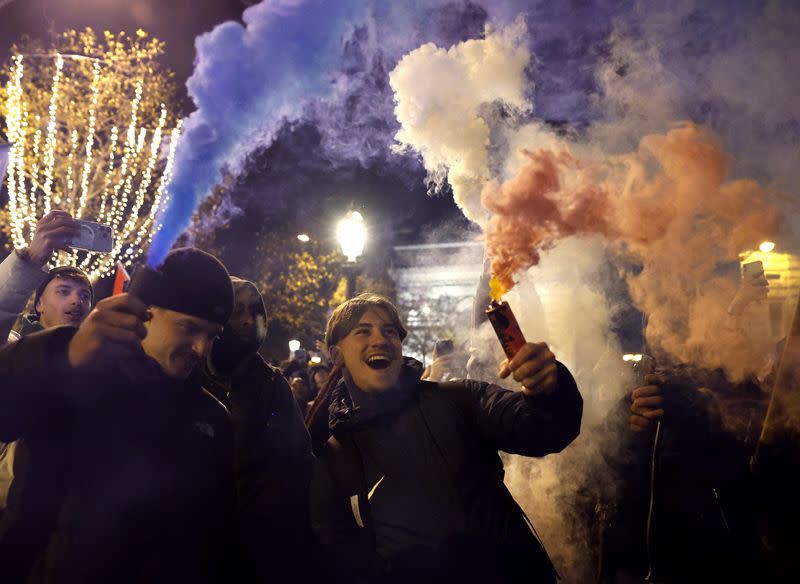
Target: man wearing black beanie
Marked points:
148	486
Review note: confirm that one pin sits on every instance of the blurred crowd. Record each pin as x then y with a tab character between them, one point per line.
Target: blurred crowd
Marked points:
145	439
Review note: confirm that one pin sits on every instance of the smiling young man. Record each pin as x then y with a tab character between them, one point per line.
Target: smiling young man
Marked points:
141	454
410	485
22	273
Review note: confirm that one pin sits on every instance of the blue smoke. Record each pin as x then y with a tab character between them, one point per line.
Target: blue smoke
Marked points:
247	79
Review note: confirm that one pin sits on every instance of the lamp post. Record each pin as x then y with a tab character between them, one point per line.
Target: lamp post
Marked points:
352	234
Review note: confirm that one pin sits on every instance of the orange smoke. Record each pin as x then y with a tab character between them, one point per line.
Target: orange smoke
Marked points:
534	210
670	206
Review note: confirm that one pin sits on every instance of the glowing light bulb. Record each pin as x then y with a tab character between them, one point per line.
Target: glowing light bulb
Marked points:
352	235
767	246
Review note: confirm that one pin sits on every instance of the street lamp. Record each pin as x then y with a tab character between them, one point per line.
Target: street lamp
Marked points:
352	234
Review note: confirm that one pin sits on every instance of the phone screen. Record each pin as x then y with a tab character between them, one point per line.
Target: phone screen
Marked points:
752	268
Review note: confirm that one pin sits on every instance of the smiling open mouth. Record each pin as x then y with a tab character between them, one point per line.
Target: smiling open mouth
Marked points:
378	362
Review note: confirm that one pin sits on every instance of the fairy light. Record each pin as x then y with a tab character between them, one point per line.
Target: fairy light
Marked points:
118	203
67	198
31	210
87	163
50	140
16	134
162	194
101	215
133	187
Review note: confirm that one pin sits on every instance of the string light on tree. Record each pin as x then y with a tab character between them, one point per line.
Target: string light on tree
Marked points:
93	131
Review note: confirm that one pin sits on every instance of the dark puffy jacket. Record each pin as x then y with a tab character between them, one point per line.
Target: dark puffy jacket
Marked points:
141	469
273	470
273	451
460	426
702	527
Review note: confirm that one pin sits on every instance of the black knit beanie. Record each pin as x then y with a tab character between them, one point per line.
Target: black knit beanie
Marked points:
196	283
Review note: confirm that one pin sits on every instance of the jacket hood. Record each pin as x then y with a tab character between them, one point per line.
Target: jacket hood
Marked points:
231	349
345	415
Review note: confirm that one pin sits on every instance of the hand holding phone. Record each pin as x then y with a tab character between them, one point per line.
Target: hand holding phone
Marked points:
53	231
753	287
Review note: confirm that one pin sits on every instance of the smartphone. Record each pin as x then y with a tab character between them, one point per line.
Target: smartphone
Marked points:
750	269
93	237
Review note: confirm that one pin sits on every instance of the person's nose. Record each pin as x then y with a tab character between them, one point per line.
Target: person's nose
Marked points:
378	338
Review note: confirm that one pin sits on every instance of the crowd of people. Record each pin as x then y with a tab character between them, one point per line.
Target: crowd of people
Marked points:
151	442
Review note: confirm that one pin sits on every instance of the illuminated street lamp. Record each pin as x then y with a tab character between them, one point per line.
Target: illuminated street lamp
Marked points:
766	246
303	237
352	234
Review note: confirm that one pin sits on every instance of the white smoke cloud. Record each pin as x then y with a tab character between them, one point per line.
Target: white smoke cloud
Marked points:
440	95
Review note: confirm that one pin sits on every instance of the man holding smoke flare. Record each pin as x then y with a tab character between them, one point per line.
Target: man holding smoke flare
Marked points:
145	487
410	485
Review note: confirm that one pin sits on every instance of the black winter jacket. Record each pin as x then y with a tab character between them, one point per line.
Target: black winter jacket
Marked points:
141	468
446	437
273	470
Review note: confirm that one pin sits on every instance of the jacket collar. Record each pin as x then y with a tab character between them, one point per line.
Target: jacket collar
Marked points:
346	414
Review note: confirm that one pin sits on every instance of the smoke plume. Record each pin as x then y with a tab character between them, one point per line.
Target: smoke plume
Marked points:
440	94
247	80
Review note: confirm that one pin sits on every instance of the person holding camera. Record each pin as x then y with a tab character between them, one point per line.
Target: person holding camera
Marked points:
23	272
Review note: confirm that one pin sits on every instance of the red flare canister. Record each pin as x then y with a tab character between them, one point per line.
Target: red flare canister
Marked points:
506	327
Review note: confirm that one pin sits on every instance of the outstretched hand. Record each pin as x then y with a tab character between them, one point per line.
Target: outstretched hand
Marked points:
534	366
114	328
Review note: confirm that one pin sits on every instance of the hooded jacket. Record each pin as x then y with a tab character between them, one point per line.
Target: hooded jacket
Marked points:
410	485
273	451
19	278
143	469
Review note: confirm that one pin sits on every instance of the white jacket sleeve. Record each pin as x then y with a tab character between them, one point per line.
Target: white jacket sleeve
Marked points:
18	280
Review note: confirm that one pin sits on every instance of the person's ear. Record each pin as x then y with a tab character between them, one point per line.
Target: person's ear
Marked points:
336	355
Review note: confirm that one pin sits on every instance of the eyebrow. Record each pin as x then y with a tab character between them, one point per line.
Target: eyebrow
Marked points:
214	329
385	325
68	286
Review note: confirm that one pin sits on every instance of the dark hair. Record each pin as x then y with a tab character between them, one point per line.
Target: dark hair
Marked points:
64	272
346	316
